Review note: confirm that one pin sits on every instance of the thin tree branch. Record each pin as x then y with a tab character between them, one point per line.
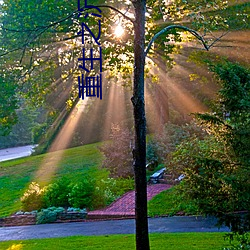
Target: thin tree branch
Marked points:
46	27
218	38
25	44
116	10
193	32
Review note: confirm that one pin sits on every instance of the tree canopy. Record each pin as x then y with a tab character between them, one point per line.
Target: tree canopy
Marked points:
41	46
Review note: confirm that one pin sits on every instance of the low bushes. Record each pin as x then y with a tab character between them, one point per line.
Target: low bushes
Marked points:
48	215
56	194
33	197
64	193
81	194
109	189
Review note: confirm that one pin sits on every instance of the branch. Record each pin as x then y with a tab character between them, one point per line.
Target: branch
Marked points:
46	27
193	32
116	10
24	46
218	38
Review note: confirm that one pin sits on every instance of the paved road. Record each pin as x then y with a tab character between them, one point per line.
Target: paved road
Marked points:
14	153
156	225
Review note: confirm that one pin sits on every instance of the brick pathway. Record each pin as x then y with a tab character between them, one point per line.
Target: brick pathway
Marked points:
124	207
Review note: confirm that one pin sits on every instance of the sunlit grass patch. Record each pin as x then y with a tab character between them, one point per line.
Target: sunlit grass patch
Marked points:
170	241
169	202
16	175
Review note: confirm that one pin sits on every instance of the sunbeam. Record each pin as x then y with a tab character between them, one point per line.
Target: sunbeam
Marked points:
51	161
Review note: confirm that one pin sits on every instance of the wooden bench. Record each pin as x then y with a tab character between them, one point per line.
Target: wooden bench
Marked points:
155	177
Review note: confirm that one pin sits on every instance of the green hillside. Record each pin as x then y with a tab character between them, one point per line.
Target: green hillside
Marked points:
15	175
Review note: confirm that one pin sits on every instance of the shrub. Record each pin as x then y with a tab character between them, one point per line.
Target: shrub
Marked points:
243	242
57	193
33	197
123	185
103	194
81	194
73	209
48	215
38	131
109	189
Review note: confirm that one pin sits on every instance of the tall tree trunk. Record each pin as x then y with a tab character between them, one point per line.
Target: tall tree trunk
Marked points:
139	152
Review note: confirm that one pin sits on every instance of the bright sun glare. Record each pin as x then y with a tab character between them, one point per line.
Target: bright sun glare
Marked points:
119	31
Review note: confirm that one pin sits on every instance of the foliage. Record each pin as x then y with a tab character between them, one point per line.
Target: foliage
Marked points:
103	193
234	107
81	194
41	46
48	215
32	199
166	141
205	175
243	242
21	132
73	209
57	193
151	154
92	192
236	16
118	154
8	106
216	168
38	131
65	193
108	190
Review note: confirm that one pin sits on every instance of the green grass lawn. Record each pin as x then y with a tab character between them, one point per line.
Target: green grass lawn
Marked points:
16	175
170	241
169	202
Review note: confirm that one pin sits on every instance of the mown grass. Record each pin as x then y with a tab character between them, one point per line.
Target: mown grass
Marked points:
76	163
16	175
169	202
170	241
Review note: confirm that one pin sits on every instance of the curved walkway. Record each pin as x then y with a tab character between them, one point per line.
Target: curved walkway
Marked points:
124	207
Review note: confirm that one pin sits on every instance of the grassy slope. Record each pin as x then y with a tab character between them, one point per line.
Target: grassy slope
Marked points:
16	175
173	241
76	163
169	203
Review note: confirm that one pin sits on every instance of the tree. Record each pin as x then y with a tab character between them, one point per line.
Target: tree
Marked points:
118	156
139	152
217	168
63	32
